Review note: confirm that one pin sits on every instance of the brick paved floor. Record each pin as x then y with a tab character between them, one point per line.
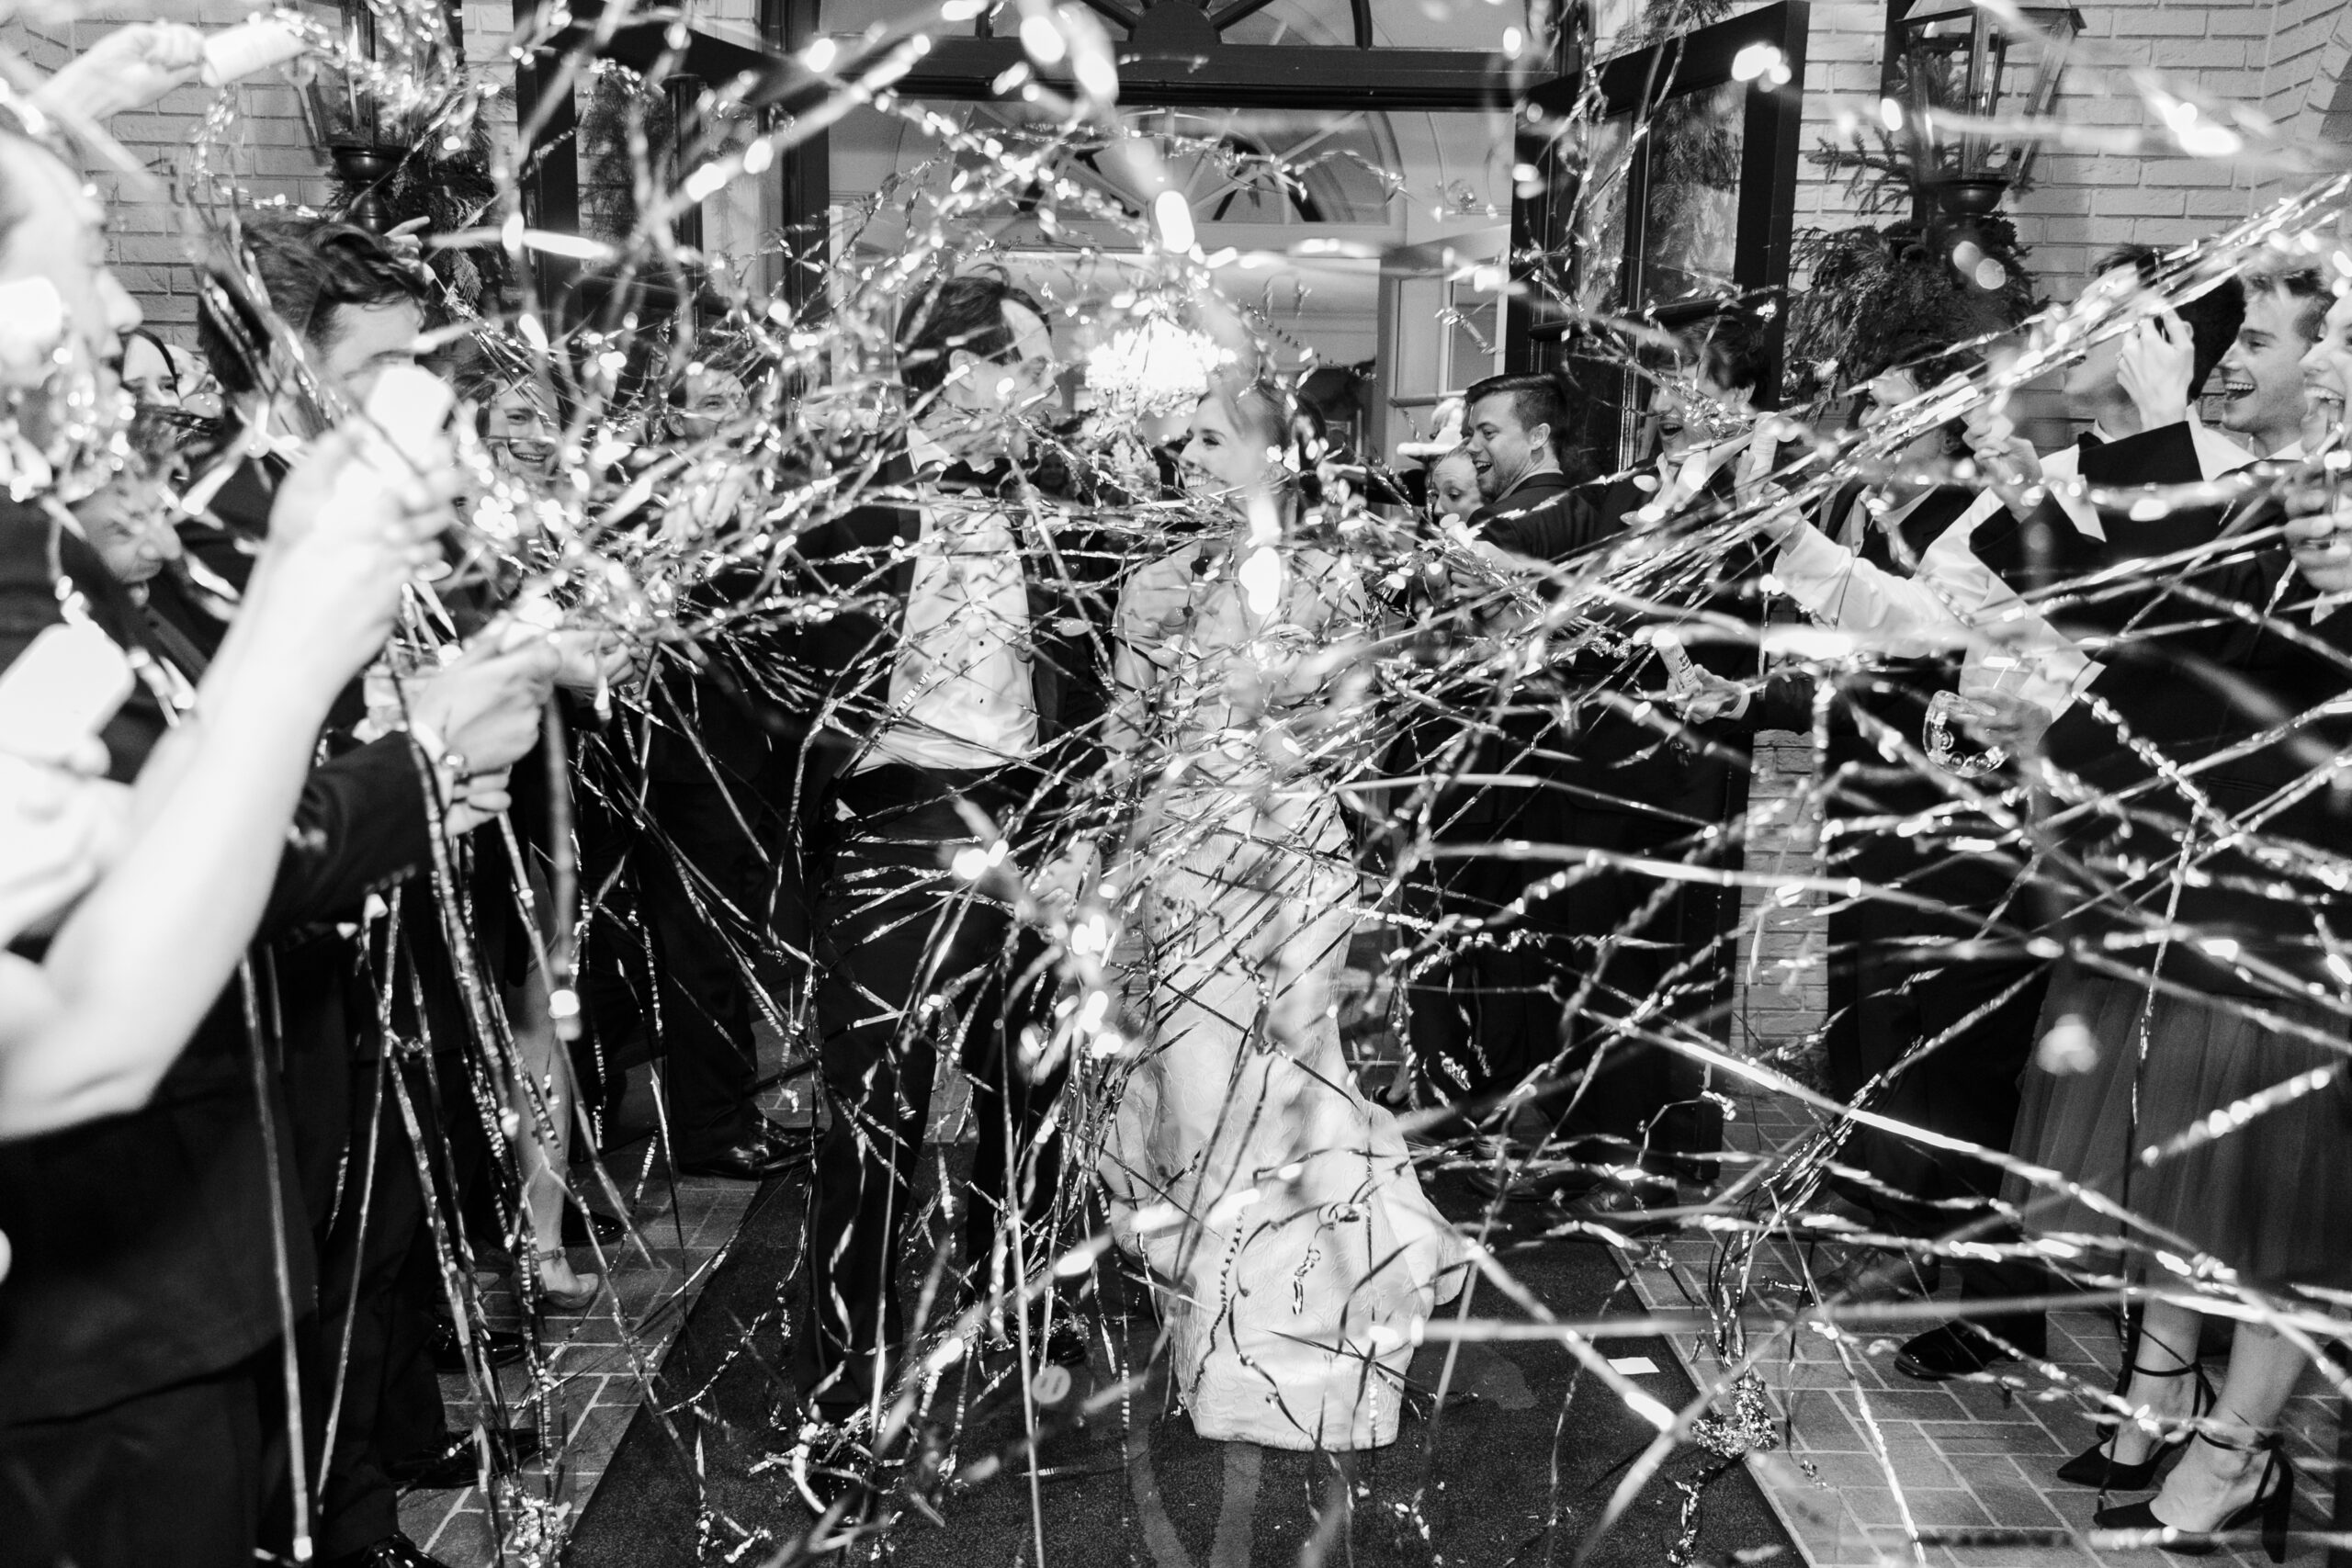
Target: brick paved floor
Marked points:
595	1378
1866	1444
1867	1447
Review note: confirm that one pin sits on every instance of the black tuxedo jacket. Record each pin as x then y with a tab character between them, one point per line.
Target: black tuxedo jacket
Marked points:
862	560
144	1248
1547	516
1618	757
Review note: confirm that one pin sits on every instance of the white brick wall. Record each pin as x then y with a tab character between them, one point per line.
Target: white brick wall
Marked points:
2283	57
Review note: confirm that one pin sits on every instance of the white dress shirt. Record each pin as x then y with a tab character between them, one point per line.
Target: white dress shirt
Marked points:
1955	601
960	691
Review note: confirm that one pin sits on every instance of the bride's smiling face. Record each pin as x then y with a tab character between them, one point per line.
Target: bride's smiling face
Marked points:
1224	458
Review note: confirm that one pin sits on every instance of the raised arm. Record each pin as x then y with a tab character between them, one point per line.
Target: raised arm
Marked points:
1919	614
89	1030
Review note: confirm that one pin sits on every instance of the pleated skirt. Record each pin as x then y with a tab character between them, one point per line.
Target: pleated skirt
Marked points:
2271	1198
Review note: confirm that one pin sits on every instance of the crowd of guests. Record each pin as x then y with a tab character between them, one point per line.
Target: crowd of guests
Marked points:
304	769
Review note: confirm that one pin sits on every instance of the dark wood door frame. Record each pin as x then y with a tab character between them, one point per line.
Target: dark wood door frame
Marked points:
1174	57
1641	81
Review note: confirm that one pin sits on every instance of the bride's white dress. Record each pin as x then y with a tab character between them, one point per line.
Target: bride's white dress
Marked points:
1277	1208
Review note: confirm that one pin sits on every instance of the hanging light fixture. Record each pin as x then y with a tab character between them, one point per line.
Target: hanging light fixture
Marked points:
369	108
1957	61
1154	366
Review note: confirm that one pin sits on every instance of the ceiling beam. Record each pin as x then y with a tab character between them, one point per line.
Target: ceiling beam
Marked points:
1245	76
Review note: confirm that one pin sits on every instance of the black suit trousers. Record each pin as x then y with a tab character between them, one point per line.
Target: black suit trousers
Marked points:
913	963
1619	1097
379	1286
703	914
1540	986
1487	1010
192	1476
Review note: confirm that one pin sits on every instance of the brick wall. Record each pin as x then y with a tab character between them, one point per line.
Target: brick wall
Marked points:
2283	57
270	157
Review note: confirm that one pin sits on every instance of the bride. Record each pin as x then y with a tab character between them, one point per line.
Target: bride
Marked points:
1277	1208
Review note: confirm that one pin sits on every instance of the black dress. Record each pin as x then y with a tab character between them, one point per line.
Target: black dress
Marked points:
2204	917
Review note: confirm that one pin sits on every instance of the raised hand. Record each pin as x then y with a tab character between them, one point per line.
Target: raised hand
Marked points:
1061	879
591	659
60	828
484	708
128	69
1708	696
2159	358
2007	459
2004	720
329	581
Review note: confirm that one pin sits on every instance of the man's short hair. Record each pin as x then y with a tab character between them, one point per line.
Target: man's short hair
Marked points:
1925	353
2213	317
1534	400
2303	287
957	312
311	270
1735	350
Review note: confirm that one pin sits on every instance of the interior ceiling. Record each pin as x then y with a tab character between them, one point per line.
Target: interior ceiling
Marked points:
1341	168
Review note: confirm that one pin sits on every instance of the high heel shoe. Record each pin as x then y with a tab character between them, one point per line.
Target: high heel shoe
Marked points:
580	1298
2096	1465
2273	1506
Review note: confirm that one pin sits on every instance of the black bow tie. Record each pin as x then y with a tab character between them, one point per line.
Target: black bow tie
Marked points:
2089	440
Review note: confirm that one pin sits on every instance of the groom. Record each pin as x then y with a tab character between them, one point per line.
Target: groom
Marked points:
943	690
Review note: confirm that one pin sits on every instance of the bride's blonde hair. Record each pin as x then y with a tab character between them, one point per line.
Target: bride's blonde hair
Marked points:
1272	412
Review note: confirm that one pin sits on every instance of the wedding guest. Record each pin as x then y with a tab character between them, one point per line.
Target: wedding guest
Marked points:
1952	600
2262	374
357	308
1642	1108
1487	1012
142	1366
1914	1030
148	373
717	842
1454	486
2163	1038
155	889
127	520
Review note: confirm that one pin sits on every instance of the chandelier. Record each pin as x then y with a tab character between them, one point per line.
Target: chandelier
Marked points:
1155	366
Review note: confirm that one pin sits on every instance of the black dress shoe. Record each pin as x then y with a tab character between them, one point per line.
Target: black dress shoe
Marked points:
392	1551
503	1346
1957	1349
1626	1208
450	1464
578	1229
1872	1275
767	1150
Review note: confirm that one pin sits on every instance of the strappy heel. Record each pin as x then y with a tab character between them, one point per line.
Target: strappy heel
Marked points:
2096	1465
578	1299
2273	1506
